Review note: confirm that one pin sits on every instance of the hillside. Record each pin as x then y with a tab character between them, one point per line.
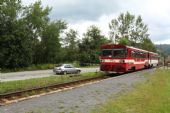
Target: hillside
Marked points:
164	48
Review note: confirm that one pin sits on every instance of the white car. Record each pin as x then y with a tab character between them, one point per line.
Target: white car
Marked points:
66	69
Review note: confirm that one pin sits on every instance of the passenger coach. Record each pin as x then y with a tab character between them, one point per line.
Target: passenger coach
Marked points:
120	58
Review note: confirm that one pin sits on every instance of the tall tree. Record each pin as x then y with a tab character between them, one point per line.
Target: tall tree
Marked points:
129	30
71	45
121	27
36	18
139	32
89	48
51	43
128	26
14	46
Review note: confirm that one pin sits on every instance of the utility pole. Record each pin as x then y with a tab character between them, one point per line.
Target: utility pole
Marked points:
164	61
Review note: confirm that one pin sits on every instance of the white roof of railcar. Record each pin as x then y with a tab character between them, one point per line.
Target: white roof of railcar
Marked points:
132	48
140	49
137	49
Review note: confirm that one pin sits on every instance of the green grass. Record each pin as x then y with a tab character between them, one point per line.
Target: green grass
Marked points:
10	86
152	96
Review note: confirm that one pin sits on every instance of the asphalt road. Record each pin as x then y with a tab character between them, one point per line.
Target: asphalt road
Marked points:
35	74
79	100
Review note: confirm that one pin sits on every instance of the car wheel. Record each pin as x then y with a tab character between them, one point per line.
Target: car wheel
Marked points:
65	72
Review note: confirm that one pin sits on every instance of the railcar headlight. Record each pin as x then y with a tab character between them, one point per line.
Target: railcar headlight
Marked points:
122	61
101	60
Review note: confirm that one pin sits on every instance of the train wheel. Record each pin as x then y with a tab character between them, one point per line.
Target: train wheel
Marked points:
133	68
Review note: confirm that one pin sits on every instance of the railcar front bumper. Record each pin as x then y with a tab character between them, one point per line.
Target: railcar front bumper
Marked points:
119	67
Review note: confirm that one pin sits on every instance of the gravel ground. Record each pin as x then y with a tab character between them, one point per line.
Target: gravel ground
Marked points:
79	100
35	74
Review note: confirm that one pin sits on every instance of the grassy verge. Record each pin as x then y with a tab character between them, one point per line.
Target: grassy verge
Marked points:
152	96
10	86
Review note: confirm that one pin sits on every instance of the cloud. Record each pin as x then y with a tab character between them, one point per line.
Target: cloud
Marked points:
79	10
73	10
102	22
80	14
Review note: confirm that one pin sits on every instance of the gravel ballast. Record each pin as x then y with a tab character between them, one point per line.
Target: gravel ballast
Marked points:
79	100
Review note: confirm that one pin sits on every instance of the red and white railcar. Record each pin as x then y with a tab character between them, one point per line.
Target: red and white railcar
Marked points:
120	58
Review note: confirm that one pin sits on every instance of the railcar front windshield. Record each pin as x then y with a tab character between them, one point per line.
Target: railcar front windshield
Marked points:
107	52
114	53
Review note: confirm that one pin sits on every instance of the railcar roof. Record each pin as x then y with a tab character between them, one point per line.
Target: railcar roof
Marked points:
118	45
137	49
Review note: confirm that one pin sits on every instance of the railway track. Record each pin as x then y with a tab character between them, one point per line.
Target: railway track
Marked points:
16	96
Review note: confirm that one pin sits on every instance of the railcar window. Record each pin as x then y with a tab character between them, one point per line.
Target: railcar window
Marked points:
114	53
119	53
133	54
153	56
107	53
138	54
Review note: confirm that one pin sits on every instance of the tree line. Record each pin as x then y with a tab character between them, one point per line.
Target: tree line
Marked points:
28	36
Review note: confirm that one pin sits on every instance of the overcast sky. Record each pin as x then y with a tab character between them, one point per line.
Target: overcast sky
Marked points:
80	14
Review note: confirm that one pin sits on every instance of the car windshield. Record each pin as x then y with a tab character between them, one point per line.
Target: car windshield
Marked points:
68	66
114	53
65	65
